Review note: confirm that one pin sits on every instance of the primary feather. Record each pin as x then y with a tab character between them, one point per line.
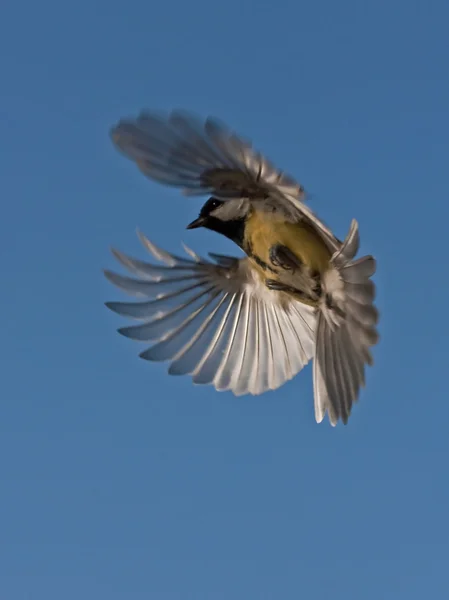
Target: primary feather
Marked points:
214	320
180	150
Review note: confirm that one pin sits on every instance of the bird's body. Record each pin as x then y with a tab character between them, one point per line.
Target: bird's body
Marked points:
248	325
265	231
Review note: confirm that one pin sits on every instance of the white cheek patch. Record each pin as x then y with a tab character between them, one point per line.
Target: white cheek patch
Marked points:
232	209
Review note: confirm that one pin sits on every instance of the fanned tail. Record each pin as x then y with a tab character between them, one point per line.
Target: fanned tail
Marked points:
346	330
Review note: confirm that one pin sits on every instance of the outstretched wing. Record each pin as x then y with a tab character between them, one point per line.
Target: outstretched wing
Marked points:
208	158
346	330
214	320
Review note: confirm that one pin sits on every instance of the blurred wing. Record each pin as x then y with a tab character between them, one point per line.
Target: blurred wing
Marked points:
346	330
214	320
208	158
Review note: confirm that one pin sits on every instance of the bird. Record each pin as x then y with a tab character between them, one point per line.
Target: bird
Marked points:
248	324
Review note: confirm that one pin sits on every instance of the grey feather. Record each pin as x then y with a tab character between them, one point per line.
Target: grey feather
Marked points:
206	157
346	330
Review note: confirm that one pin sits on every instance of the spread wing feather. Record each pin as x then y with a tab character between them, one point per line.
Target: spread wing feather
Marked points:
201	157
206	157
214	320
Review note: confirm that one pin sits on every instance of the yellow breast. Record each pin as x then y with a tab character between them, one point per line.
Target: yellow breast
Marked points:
263	230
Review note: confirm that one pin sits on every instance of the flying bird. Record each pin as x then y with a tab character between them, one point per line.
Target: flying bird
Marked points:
246	324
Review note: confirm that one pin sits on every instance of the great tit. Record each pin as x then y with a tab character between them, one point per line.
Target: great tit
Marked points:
247	324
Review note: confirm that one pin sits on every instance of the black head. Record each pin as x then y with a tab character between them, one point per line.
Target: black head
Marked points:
222	216
206	213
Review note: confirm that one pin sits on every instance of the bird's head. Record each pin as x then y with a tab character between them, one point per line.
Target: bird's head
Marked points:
223	216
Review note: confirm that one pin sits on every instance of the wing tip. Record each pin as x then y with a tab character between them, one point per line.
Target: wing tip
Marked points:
110	275
126	332
146	355
111	306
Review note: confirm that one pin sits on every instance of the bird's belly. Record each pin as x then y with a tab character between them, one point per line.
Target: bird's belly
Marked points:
263	232
302	259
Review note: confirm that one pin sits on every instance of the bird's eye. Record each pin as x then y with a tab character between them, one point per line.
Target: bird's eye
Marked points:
210	206
215	204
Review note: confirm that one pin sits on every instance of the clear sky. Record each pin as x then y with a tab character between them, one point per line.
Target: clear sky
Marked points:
120	482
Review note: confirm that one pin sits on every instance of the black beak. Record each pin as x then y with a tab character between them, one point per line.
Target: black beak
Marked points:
196	223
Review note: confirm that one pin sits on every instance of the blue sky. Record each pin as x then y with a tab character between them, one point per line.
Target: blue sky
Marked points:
120	482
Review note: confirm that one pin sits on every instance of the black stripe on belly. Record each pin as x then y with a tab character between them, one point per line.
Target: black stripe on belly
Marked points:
265	266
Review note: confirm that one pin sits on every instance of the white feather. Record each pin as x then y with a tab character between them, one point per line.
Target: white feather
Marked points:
214	320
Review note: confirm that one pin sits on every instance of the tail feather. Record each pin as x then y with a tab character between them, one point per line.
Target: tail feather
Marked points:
346	330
